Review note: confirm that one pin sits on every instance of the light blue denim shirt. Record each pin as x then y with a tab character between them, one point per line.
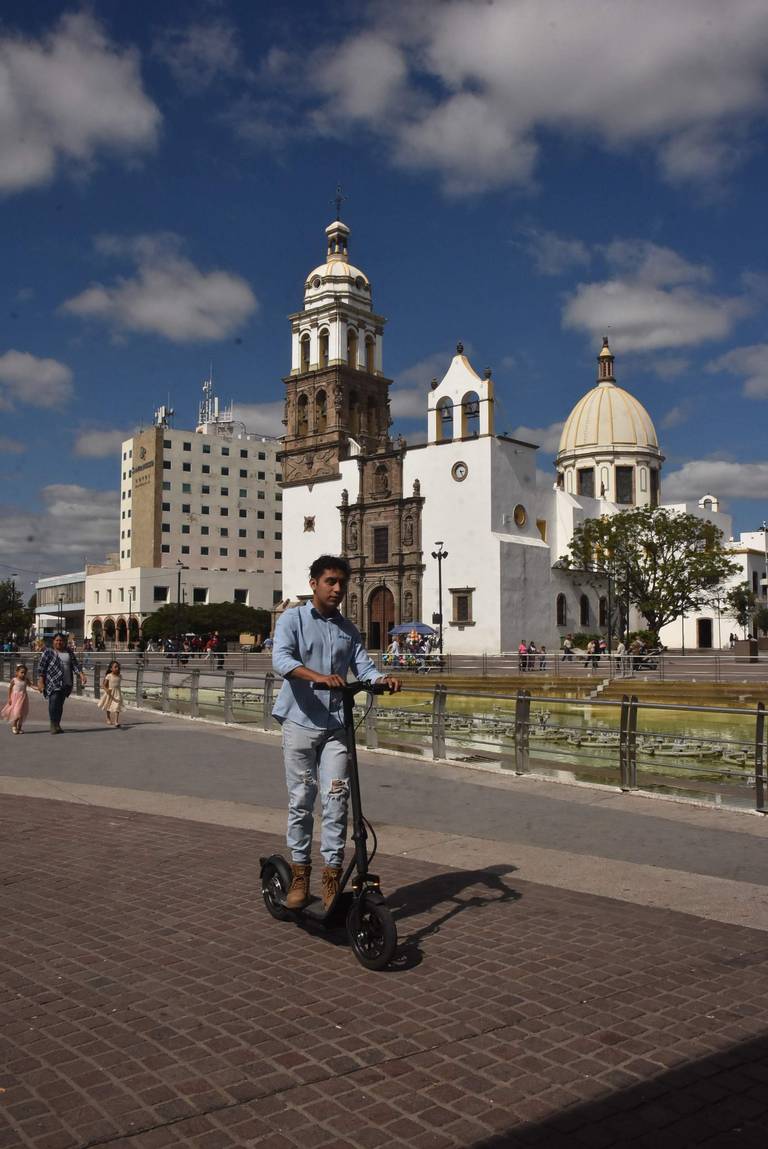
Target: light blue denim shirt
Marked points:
327	645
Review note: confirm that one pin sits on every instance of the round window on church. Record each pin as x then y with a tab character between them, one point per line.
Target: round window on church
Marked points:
520	515
459	472
316	281
359	283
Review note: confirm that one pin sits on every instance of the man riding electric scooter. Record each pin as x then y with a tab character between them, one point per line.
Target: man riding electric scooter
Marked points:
315	644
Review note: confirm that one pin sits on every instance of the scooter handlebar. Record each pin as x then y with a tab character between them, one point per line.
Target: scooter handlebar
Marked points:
355	687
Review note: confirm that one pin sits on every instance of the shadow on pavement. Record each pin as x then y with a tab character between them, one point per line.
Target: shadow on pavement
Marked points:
438	890
720	1101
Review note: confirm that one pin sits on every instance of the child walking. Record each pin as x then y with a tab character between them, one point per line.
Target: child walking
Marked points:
111	700
17	707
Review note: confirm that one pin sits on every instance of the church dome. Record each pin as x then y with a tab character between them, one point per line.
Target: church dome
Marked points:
607	417
337	276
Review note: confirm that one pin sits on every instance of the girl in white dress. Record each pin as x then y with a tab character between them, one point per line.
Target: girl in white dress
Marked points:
111	700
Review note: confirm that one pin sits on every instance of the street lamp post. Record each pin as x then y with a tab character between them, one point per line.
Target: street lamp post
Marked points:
179	568
61	612
14	576
130	613
440	554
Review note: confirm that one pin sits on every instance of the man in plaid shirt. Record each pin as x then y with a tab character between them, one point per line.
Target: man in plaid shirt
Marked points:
56	677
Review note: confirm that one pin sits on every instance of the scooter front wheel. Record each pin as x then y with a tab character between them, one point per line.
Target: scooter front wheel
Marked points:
275	883
372	932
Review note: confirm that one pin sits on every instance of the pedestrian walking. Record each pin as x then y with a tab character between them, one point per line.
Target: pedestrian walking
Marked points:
111	700
542	657
522	655
568	647
17	707
56	677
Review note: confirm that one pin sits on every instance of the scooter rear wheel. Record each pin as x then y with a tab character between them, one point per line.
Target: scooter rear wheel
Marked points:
275	883
372	932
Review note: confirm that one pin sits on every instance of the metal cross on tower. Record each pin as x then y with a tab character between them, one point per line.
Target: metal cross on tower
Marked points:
338	199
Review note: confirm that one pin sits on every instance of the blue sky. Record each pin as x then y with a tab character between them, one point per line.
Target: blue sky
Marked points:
521	176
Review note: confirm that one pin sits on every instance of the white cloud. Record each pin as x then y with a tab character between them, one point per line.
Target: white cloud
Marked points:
408	403
408	396
200	53
751	363
76	522
678	414
471	90
657	300
167	296
37	382
96	444
553	254
261	418
720	477
547	438
11	446
67	97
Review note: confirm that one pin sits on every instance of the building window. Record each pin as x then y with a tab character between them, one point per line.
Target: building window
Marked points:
165	548
461	605
259	514
585	482
225	470
187	446
242	554
203	550
259	554
185	508
305	353
185	528
381	544
96	593
224	551
166	506
205	510
243	474
224	532
225	450
166	464
224	511
185	550
199	595
625	485
186	488
261	475
160	594
261	495
278	517
262	455
562	610
225	490
166	528
206	469
166	443
241	534
240	596
242	514
243	454
654	487
186	466
243	493
206	448
259	534
205	489
584	610
278	534
205	530
278	554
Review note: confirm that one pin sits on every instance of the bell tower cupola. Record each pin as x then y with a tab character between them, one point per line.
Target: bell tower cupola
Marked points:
337	396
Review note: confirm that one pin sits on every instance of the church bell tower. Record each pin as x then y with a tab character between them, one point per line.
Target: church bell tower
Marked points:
337	397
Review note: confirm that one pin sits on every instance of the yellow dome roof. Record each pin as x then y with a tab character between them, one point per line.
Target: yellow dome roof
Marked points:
605	418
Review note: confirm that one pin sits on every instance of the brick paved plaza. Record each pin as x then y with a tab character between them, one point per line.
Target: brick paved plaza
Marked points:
148	1001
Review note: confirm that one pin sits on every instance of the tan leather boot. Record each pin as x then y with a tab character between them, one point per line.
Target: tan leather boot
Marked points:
330	881
298	894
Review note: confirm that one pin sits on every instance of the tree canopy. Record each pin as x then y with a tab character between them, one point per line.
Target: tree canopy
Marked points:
230	619
741	602
15	617
664	563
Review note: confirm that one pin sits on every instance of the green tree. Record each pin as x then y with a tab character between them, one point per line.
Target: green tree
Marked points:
231	619
663	563
15	617
761	619
740	601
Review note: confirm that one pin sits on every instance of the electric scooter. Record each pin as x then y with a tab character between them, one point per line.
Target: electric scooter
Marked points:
370	926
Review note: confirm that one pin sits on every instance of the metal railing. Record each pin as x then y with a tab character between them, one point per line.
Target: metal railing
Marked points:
714	752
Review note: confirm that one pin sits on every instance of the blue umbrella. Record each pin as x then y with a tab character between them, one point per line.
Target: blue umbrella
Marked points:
407	627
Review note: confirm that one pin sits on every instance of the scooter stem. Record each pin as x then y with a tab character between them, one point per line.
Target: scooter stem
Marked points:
359	832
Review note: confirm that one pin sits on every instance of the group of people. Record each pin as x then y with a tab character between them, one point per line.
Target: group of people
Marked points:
57	674
530	656
410	650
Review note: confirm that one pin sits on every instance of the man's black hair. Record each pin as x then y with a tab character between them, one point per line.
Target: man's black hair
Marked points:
329	563
61	634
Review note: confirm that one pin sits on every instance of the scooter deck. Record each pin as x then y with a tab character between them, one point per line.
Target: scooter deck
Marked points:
315	912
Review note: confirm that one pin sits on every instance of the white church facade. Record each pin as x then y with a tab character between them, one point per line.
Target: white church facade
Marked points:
350	489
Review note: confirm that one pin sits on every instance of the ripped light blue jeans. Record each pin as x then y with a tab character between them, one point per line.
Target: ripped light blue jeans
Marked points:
316	759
